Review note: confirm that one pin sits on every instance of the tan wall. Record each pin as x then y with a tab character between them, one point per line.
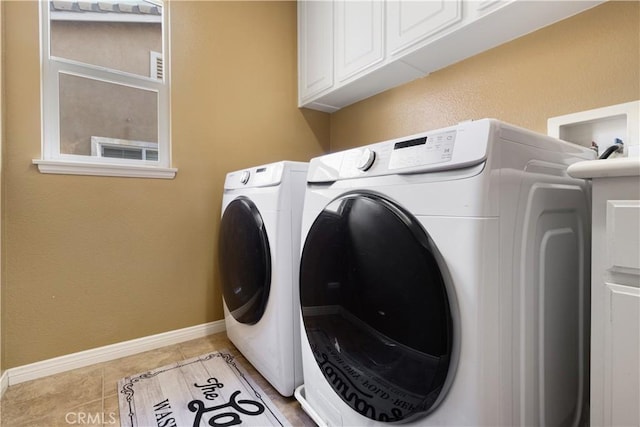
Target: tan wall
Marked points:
588	61
91	261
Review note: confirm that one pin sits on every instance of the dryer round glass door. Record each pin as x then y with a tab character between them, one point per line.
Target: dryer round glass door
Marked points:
245	261
376	308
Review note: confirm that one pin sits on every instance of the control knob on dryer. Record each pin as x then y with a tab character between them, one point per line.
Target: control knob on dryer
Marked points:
244	178
367	157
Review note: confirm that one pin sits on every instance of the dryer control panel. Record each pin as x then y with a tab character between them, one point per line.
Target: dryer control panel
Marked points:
260	176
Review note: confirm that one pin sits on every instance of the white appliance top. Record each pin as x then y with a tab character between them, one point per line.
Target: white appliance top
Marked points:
464	145
262	176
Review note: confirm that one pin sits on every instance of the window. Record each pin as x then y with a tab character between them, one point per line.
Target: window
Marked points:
105	88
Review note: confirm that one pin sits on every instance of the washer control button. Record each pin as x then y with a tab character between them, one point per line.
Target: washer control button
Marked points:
244	178
367	157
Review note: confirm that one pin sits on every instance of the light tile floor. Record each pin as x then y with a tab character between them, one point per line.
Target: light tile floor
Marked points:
88	397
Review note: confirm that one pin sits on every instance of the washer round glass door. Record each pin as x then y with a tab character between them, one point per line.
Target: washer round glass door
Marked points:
245	261
376	308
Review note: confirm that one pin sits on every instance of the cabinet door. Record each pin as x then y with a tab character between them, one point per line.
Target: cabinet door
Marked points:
622	356
315	47
622	313
409	21
359	36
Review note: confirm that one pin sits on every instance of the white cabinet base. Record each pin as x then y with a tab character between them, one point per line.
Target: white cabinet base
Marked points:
615	290
622	356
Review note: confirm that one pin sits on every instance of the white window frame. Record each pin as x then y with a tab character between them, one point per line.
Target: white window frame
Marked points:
52	160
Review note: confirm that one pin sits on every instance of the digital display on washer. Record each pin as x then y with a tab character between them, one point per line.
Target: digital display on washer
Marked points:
410	143
426	150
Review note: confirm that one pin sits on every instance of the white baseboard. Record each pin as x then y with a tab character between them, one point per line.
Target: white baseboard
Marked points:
4	383
104	354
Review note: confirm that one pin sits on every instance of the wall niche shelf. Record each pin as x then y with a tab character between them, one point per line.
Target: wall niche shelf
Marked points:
602	126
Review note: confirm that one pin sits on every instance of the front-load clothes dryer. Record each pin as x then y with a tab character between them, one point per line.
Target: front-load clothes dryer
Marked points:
259	246
444	281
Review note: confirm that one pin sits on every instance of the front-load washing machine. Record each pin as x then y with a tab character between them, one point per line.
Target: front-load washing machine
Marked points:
444	281
259	246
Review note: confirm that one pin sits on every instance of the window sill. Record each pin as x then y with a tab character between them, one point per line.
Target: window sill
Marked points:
65	167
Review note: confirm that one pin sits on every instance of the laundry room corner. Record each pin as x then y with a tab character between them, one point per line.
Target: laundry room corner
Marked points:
319	212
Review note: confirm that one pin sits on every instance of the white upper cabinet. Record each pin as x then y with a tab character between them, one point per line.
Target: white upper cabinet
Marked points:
359	36
315	48
410	22
350	50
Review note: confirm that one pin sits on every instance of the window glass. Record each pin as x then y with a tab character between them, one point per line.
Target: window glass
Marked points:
123	112
106	34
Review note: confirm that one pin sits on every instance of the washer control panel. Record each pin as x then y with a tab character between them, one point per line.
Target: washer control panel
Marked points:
455	147
422	151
